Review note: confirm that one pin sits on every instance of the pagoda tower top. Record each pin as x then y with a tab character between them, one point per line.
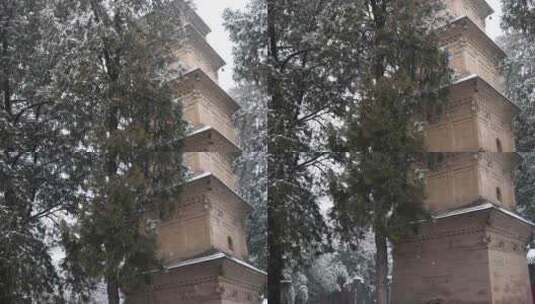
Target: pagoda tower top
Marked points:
476	10
192	18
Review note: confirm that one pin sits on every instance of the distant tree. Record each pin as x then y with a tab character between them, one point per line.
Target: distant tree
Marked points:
525	186
119	64
40	165
402	76
331	272
520	79
297	227
307	60
519	70
252	166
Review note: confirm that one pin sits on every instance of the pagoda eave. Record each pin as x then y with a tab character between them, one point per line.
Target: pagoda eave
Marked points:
195	19
203	46
464	26
198	80
485	7
216	257
204	138
481	206
211	179
479	83
215	278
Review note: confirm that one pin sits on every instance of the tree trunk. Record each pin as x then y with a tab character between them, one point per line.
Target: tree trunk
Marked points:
6	290
275	262
5	81
381	269
113	291
275	254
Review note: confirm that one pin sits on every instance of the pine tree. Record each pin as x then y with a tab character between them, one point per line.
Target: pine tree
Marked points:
119	64
297	227
381	187
298	51
252	166
40	165
520	79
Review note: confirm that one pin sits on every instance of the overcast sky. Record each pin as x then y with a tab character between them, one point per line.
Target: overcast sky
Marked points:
212	13
212	10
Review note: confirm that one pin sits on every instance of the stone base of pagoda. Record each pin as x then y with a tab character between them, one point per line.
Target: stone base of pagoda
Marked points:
214	279
474	255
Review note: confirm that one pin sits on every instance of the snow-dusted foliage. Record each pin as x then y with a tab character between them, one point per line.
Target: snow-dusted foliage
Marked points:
401	75
329	273
519	16
41	166
91	127
293	50
312	59
251	165
525	186
519	69
118	66
336	271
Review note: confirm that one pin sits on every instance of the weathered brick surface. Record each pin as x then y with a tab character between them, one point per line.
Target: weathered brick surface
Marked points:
210	217
462	179
220	281
476	10
466	259
477	118
476	257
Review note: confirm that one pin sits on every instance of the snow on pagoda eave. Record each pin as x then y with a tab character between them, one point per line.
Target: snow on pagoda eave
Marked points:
196	37
485	7
480	82
197	78
209	177
212	134
467	26
485	206
211	258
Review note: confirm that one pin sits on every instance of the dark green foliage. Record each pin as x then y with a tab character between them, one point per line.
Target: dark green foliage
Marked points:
519	70
379	190
519	15
403	72
525	186
297	228
306	61
119	66
252	167
520	79
40	165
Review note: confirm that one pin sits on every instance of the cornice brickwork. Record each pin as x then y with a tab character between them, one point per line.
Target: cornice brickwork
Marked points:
466	258
215	281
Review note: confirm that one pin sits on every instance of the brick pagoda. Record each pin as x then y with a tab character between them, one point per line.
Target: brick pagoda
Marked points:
474	250
204	245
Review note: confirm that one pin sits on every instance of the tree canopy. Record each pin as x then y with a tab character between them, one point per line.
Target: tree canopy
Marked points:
41	165
403	73
121	63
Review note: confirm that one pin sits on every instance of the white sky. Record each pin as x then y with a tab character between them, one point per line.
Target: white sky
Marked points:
493	23
212	10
